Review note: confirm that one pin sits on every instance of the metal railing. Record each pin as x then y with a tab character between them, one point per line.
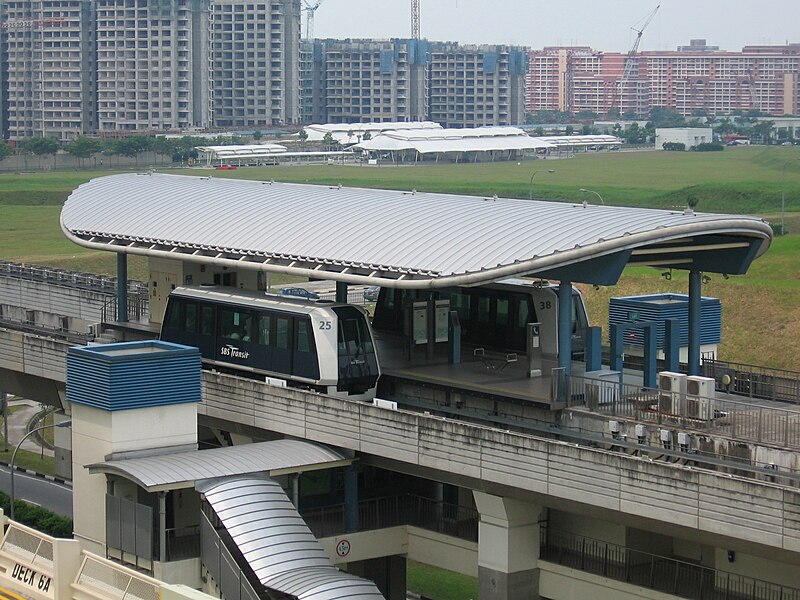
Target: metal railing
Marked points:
768	425
66	278
754	381
109	580
138	307
183	543
661	573
379	513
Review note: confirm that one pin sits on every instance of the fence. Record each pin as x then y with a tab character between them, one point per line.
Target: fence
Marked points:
769	425
754	381
661	573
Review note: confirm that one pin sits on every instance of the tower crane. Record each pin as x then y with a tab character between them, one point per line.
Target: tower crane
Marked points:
311	7
415	19
630	58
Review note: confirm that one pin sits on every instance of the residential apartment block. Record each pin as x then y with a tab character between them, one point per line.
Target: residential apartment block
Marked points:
255	62
696	79
119	66
48	68
415	80
151	64
470	86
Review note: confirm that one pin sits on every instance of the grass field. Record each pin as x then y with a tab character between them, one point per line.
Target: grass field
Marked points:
761	313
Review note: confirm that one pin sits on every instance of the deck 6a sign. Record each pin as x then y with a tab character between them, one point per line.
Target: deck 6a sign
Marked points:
31	577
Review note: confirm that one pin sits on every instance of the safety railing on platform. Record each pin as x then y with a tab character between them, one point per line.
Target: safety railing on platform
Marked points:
661	573
379	513
76	279
746	421
101	578
138	307
754	381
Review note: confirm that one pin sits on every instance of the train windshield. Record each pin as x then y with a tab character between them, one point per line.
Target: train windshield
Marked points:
358	365
354	337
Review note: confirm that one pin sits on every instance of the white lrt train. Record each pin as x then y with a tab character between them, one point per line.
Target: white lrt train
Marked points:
492	316
324	346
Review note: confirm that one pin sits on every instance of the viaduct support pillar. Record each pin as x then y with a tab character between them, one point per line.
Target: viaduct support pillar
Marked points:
508	548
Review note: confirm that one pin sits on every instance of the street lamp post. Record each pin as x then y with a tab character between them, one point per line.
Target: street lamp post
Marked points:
585	191
783	194
14	455
530	192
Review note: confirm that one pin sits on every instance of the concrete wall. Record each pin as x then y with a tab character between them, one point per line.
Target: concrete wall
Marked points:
48	298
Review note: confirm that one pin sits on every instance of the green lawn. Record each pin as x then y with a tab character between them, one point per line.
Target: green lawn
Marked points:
439	584
761	313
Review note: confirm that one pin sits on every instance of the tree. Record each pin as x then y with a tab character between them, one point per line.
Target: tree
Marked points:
303	136
5	150
367	136
569	130
666	116
257	136
763	131
328	139
40	146
83	147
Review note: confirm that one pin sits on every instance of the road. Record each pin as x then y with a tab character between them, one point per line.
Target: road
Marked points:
53	496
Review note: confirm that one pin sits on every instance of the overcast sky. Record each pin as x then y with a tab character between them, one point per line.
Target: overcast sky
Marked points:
601	24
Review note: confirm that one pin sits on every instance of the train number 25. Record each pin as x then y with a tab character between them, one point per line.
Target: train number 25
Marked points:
324	324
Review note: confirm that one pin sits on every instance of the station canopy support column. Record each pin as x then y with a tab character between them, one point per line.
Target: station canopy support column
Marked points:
341	291
695	295
565	325
122	287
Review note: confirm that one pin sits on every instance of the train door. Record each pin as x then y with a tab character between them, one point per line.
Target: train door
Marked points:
282	349
304	355
206	339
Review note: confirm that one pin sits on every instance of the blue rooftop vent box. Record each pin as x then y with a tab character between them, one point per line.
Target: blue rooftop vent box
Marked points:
132	375
660	307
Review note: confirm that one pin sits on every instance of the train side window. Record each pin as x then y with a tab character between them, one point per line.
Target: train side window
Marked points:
190	318
236	325
173	320
207	320
302	343
282	333
502	311
264	330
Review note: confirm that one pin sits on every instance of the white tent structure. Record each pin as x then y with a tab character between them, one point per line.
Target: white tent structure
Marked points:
352	133
238	155
458	144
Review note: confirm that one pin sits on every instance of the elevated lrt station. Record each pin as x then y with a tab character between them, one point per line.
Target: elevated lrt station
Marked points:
477	385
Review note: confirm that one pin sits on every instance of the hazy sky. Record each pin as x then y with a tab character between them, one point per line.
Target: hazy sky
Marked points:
602	24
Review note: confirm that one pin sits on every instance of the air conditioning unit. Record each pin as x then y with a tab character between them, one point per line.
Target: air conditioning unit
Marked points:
672	388
700	396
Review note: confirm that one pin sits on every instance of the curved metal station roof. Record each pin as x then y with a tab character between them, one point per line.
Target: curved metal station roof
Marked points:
277	543
182	469
394	238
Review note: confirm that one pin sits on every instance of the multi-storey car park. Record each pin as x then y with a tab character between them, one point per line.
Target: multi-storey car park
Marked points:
538	471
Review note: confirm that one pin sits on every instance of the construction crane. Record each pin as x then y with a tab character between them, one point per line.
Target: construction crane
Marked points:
414	19
311	7
630	58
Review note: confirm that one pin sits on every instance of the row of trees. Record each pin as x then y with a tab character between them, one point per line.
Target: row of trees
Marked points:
82	147
739	122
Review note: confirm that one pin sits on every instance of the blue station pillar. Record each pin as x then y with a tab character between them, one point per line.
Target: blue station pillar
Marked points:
565	325
695	292
122	287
